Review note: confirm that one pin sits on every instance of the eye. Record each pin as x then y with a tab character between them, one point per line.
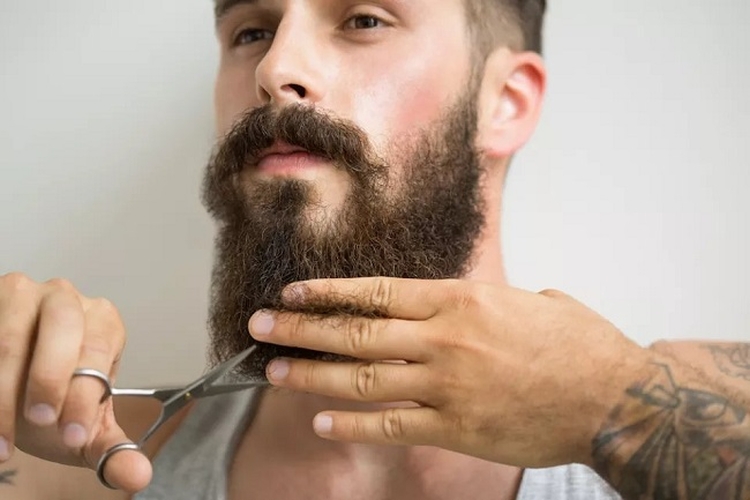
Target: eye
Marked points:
364	22
251	35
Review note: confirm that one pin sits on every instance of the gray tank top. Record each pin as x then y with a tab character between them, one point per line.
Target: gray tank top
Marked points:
193	464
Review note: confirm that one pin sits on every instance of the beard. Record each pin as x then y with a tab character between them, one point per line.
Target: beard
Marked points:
424	227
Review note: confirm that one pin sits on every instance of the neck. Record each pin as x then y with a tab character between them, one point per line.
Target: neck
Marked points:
282	440
488	259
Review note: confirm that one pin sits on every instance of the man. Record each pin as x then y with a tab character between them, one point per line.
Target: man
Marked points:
351	149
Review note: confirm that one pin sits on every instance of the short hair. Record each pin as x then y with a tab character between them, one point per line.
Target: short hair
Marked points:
516	24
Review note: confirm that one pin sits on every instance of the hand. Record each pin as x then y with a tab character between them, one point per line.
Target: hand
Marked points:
46	332
506	375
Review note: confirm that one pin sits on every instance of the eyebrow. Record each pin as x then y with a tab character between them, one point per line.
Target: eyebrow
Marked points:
223	6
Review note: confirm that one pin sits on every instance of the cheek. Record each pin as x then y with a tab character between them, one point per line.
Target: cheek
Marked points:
234	93
393	109
404	97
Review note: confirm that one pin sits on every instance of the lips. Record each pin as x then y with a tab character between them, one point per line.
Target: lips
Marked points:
280	148
285	159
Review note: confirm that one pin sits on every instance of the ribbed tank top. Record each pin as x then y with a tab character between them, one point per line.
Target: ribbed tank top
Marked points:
194	463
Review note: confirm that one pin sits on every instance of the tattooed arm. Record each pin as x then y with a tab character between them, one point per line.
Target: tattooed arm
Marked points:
683	430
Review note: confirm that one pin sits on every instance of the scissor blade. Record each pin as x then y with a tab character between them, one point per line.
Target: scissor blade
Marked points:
215	390
227	366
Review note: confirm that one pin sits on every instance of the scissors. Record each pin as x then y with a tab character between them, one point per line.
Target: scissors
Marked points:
172	399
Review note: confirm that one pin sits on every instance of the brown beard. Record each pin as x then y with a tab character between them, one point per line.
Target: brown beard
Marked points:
426	229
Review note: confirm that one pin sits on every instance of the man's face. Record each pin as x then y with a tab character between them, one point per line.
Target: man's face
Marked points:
371	109
390	67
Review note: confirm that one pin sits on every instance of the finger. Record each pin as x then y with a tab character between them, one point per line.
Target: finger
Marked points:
59	334
393	426
392	297
355	336
18	319
373	382
554	294
101	345
129	471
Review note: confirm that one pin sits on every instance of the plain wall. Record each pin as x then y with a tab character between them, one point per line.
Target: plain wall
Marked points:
631	196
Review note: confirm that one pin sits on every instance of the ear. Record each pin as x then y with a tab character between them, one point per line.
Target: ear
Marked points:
510	101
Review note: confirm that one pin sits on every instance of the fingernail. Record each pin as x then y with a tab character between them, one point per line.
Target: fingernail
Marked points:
322	424
74	435
294	294
262	323
278	370
4	450
42	415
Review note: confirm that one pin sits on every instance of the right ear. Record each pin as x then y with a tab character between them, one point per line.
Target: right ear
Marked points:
510	101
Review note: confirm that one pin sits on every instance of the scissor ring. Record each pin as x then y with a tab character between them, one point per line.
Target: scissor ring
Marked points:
109	454
90	372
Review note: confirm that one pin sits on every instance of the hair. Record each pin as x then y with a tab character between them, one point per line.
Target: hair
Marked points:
516	24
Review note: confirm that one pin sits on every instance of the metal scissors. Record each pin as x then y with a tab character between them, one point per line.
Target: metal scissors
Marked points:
172	399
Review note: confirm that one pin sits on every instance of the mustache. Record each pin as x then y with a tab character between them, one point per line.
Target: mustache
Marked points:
339	141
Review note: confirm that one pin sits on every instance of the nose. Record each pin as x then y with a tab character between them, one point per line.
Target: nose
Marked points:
293	69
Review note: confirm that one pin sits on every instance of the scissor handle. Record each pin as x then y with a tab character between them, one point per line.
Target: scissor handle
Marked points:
103	378
109	454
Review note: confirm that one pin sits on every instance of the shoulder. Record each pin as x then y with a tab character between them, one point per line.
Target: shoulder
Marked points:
566	482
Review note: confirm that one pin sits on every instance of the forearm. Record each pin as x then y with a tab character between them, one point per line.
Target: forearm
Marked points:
682	430
726	364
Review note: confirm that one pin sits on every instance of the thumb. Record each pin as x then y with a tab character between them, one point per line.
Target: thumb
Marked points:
127	470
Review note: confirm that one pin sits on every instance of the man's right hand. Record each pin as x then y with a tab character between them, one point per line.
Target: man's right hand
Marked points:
47	331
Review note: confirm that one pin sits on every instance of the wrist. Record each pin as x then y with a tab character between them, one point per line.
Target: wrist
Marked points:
633	367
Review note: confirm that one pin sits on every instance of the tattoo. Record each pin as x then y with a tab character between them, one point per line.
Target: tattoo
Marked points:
733	360
6	477
670	442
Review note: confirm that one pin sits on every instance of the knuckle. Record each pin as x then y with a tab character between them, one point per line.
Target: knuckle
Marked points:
358	427
62	315
107	316
382	294
61	284
361	334
301	324
293	325
552	293
96	346
104	307
310	376
463	297
365	380
392	425
16	282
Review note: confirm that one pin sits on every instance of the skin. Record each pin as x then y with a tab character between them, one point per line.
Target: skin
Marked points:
491	379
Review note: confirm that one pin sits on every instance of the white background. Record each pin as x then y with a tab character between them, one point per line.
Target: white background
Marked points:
631	197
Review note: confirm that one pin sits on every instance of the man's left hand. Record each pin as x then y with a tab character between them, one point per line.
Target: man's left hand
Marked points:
515	377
